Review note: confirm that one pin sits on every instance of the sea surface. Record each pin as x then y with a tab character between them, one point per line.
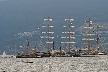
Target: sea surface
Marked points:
55	64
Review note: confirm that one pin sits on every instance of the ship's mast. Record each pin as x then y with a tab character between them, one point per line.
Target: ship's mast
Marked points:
36	46
27	46
97	38
48	33
69	33
89	35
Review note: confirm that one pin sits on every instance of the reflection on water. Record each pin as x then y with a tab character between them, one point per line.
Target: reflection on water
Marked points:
55	64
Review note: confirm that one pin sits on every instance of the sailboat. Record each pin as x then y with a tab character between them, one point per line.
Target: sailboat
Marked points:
4	55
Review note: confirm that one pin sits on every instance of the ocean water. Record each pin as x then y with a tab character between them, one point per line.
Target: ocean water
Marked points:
55	64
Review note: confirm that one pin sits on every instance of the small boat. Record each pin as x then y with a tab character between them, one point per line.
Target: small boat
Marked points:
27	61
100	53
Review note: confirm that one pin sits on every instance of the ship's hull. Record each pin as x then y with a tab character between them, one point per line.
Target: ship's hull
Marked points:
37	55
28	57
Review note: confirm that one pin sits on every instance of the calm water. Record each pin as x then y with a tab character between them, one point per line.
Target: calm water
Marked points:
56	64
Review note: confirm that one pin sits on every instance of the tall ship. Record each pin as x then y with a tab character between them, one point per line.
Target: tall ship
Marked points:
68	38
69	33
91	40
35	53
30	53
89	37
